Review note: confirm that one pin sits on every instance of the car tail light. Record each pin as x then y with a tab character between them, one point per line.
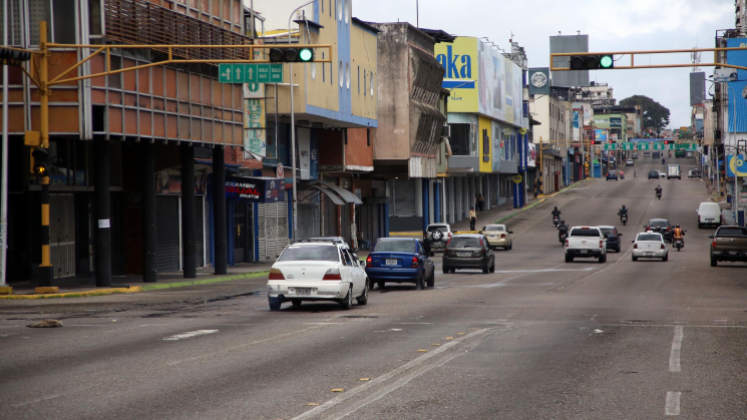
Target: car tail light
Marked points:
567	243
503	236
669	228
332	274
369	261
635	246
714	243
415	263
449	235
276	274
601	243
663	247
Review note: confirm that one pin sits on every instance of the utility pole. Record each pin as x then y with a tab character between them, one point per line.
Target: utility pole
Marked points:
46	271
4	175
542	167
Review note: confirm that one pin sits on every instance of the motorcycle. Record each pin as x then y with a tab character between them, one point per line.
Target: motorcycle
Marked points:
556	220
624	218
678	243
562	236
622	176
658	195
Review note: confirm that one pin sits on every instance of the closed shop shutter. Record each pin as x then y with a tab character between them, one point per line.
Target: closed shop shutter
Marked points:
199	231
404	198
167	226
273	230
62	234
330	218
346	228
308	221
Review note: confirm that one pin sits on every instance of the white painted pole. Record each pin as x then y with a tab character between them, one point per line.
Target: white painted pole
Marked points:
4	174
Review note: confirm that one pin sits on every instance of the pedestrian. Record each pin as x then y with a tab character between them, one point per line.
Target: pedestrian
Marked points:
536	189
634	174
480	202
472	218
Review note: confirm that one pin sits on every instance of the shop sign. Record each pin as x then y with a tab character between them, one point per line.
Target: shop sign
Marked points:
256	190
255	133
736	165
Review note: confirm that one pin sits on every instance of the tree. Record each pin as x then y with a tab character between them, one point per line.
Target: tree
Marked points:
655	115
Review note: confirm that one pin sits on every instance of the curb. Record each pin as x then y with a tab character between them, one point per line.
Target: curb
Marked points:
136	289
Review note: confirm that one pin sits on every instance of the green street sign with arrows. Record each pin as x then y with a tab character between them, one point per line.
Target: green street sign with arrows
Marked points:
250	73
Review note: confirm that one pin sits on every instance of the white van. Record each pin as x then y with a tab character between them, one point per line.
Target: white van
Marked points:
709	213
673	171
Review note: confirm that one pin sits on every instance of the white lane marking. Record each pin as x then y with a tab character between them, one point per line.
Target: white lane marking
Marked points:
672	406
49	397
189	335
413	363
545	270
674	358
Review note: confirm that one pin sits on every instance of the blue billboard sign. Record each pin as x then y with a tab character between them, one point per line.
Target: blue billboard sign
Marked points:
737	104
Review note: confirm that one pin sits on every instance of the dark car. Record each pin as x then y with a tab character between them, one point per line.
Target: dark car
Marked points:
729	244
400	260
613	237
653	175
611	175
468	251
661	226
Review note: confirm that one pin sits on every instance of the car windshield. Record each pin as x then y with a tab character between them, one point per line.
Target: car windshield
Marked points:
310	253
438	228
659	223
495	228
653	173
649	237
732	232
607	231
464	243
395	245
585	232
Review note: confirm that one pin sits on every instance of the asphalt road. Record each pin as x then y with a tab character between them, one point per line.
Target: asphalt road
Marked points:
538	339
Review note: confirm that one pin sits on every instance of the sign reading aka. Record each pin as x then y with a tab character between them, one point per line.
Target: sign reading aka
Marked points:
457	66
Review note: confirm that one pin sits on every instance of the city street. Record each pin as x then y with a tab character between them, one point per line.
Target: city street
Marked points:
537	339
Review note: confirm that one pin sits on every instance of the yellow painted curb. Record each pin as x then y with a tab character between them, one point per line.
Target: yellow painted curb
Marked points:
46	290
99	292
6	290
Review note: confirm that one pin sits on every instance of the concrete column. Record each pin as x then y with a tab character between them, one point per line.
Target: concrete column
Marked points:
432	203
148	193
219	211
103	251
418	197
188	211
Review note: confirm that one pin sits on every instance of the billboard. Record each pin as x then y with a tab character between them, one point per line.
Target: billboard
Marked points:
259	190
532	155
697	88
569	44
539	81
737	104
600	135
481	80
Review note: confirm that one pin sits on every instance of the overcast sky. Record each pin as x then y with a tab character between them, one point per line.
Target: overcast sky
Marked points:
621	25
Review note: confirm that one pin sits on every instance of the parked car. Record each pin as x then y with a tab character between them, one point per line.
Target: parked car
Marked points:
660	226
694	173
709	213
653	175
611	175
612	237
317	271
436	236
498	236
650	245
629	162
468	251
400	260
729	244
585	242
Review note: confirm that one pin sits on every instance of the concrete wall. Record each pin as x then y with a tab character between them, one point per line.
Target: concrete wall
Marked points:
363	67
359	150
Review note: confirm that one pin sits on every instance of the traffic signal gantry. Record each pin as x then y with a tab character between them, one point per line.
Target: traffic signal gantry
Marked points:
40	139
606	60
592	62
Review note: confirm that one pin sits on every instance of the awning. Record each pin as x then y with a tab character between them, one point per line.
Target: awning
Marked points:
346	195
326	191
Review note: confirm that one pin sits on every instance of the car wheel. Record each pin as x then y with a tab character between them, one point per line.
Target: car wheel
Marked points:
445	270
492	267
452	270
714	262
274	304
700	226
296	302
419	282
635	258
432	279
485	270
618	249
568	258
381	284
603	258
347	303
511	245
666	257
363	298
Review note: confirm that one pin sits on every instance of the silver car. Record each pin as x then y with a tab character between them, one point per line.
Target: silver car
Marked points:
650	245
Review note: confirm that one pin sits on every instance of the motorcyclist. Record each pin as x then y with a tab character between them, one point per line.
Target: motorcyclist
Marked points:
623	210
555	213
622	174
663	161
679	234
658	189
562	229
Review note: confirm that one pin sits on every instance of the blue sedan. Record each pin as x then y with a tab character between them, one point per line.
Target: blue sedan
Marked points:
400	260
611	175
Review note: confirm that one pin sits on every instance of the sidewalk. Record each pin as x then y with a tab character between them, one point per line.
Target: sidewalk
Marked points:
83	287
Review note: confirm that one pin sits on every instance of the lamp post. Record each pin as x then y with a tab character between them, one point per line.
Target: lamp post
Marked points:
293	125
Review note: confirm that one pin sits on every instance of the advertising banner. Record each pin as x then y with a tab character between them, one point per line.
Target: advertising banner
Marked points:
576	123
736	166
616	122
736	102
600	135
532	155
539	81
256	190
255	134
523	150
459	59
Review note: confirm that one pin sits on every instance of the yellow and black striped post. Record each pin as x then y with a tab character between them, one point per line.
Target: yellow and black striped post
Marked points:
46	271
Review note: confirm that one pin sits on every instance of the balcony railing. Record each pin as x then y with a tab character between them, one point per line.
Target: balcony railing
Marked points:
142	22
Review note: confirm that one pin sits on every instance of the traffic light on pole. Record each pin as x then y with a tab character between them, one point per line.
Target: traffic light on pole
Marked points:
291	55
9	56
596	142
41	162
592	62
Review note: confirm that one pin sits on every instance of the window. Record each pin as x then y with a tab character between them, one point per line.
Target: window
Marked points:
339	10
394	245
324	70
655	237
464	242
364	83
39	10
329	7
64	21
372	84
310	253
460	139
347	75
347	10
341	74
485	146
95	21
348	258
585	232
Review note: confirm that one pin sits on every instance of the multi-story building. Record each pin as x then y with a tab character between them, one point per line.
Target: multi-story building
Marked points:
740	12
110	135
554	112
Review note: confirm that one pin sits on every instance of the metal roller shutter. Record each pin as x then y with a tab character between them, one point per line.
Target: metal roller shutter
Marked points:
330	218
167	226
62	234
199	231
308	221
273	230
346	222
404	198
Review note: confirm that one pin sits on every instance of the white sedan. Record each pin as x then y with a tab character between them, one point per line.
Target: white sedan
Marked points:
662	174
650	245
317	271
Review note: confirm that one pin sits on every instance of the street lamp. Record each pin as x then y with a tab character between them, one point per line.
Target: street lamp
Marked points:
293	125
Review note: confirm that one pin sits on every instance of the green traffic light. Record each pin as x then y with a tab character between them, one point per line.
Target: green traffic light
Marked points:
305	54
606	61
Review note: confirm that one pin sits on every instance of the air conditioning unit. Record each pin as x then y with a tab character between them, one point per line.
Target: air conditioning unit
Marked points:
446	131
